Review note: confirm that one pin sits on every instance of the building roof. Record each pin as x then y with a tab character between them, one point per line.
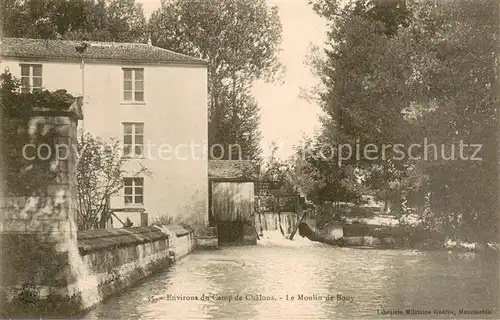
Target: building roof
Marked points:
232	170
94	50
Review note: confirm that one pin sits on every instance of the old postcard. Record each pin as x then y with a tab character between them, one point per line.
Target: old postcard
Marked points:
249	159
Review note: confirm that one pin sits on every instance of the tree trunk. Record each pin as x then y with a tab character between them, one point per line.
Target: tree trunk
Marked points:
105	214
103	220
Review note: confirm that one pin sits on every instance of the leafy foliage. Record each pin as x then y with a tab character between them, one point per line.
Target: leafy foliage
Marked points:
27	173
21	105
101	20
234	36
100	172
236	130
240	40
399	72
162	220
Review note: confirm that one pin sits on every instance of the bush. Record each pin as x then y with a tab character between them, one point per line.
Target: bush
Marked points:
162	220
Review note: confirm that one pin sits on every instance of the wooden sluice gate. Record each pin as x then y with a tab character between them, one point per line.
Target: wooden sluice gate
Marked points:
233	211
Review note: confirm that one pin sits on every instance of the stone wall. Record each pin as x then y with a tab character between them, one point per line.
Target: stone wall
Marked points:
207	238
249	235
360	234
115	259
38	211
182	239
111	260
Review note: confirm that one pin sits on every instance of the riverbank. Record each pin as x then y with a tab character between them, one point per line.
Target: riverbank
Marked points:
368	226
364	228
391	236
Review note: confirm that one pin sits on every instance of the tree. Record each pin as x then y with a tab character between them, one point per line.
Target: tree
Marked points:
237	131
101	20
99	177
464	193
334	181
240	40
277	170
365	86
399	72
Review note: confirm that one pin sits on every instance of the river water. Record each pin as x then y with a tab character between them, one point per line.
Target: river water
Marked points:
325	283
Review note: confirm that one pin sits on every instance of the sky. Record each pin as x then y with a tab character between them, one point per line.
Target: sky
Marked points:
285	117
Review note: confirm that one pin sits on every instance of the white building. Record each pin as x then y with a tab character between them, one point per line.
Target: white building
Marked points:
153	100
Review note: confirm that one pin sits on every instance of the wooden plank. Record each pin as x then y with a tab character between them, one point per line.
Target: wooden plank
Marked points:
233	201
118	218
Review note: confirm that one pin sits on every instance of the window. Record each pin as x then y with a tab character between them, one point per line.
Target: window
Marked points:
133	140
31	77
133	85
133	190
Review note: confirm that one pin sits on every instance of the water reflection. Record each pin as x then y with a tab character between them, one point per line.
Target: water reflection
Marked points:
376	279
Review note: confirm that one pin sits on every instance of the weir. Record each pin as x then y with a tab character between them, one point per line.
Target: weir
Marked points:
285	222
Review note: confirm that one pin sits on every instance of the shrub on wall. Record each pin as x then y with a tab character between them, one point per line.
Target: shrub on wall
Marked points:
99	177
27	172
162	220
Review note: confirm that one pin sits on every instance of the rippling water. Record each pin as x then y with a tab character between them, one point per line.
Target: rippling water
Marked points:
377	280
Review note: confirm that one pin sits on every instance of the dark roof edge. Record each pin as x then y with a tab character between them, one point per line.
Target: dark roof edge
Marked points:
219	179
197	63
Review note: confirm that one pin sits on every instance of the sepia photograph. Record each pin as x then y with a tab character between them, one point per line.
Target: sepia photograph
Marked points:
249	159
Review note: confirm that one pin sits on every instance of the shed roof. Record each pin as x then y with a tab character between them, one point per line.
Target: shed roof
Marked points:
232	170
94	50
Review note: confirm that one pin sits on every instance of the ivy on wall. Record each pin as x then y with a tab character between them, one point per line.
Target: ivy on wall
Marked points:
16	104
28	146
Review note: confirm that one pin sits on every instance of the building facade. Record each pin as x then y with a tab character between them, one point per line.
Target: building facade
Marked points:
154	101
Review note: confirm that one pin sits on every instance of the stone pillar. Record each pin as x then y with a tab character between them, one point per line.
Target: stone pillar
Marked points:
249	235
144	219
38	214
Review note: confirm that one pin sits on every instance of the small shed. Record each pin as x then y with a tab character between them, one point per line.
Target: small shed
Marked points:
231	199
